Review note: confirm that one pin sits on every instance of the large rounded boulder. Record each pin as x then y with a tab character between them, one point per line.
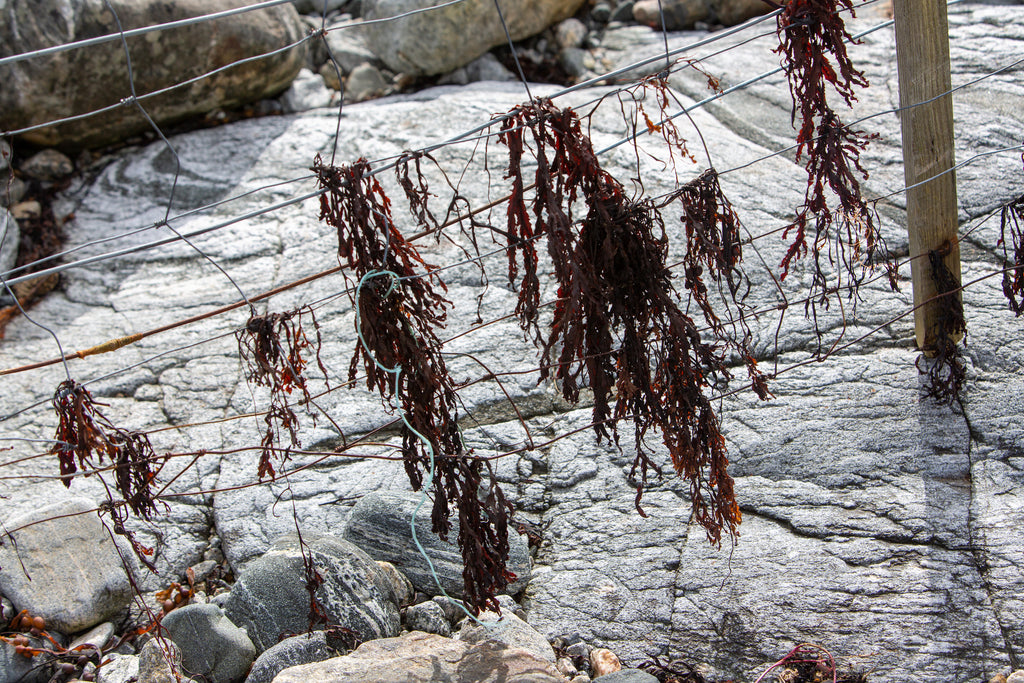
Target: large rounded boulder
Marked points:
41	89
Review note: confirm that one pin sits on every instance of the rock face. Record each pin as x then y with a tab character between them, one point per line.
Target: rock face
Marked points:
74	82
380	523
212	648
874	521
65	570
270	596
424	658
437	41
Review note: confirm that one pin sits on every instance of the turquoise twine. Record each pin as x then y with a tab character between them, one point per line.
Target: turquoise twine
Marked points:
396	372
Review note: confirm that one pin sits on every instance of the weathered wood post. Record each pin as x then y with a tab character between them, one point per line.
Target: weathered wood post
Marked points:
922	57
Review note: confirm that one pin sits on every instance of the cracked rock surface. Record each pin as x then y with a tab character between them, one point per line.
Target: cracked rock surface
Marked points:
876	523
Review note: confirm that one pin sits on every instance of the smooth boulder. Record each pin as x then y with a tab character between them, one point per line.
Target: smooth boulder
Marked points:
304	649
61	564
270	597
212	648
436	42
41	89
509	630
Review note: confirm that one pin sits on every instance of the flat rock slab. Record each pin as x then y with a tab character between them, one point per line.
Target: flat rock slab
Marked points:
424	658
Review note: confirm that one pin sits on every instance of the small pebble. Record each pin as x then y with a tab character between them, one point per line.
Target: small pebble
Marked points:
1016	677
48	164
98	636
570	33
578	649
566	667
603	662
29	209
601	13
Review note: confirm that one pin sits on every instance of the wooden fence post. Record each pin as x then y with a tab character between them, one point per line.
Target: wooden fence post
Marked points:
922	57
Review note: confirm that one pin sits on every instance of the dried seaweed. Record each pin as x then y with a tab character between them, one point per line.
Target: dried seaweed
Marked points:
398	313
617	323
809	31
1011	219
946	370
84	432
274	348
813	41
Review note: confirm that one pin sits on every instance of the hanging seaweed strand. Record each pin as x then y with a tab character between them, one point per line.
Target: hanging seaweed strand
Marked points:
274	348
617	326
399	311
843	237
1011	239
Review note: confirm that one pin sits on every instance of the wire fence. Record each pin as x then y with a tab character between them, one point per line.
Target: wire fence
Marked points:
785	316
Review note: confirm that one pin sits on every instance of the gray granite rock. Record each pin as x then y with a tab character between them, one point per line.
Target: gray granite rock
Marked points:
436	42
424	658
428	617
160	662
508	629
570	33
120	669
304	649
47	164
347	45
270	598
212	648
380	523
308	91
61	565
16	668
364	83
12	189
98	637
486	67
78	81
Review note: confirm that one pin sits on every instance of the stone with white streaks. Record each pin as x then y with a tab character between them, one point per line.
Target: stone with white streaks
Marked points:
381	523
270	598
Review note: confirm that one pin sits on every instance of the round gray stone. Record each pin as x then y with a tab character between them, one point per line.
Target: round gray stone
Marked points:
270	597
212	648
